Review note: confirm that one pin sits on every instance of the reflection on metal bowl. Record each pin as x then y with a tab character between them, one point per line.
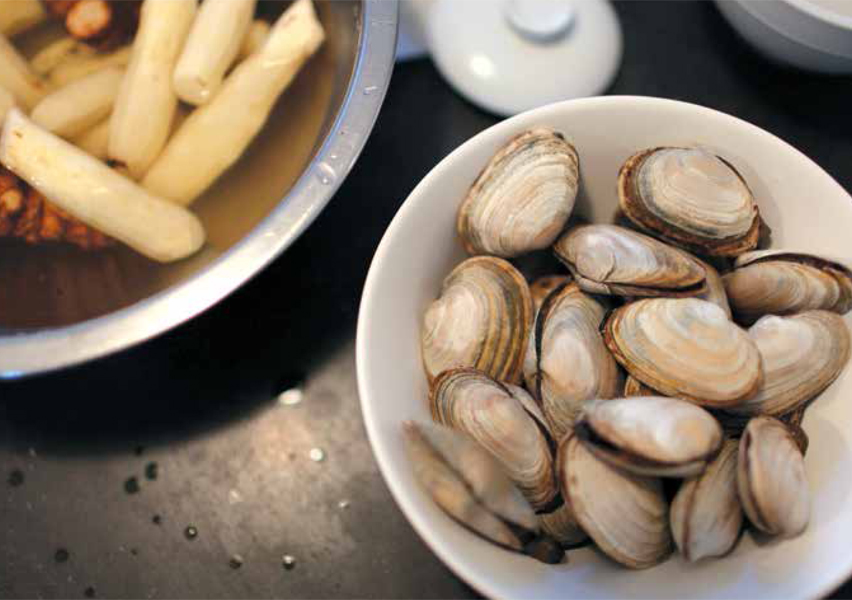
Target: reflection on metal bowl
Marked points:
60	306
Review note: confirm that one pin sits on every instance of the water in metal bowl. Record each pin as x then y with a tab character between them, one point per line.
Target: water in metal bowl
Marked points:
60	306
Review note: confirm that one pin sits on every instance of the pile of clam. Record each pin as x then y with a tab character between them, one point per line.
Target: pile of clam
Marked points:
641	400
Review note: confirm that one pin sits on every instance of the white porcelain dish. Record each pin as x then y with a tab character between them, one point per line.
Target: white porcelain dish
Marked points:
806	209
815	35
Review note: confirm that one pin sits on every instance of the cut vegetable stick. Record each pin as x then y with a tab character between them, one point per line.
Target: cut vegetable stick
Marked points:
7	101
216	134
211	47
89	190
79	106
52	55
146	101
17	76
95	140
17	16
254	39
77	65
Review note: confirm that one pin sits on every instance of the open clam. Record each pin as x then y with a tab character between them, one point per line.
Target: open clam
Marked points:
778	282
523	197
608	259
625	515
801	356
771	478
690	197
706	514
496	416
468	484
481	320
686	348
650	435
566	362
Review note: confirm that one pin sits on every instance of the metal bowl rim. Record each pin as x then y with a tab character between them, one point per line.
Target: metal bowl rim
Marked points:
29	353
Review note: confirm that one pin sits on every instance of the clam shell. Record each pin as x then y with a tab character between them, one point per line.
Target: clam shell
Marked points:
490	412
562	525
801	356
543	286
715	289
468	483
781	283
566	362
634	387
686	348
706	515
650	435
625	515
608	259
481	320
522	199
690	197
771	479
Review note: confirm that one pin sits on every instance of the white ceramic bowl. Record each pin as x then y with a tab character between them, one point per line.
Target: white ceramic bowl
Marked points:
806	209
810	34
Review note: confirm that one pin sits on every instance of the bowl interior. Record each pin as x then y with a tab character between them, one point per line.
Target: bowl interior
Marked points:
49	286
806	210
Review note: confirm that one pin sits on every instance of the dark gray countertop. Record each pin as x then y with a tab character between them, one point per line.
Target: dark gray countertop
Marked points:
201	400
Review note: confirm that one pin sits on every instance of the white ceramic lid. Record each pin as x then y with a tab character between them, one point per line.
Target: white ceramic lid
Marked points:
508	56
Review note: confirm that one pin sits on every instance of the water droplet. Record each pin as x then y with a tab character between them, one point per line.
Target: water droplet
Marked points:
131	486
370	89
326	173
156	519
343	504
16	478
288	562
236	561
190	532
333	156
290	397
234	497
151	471
61	555
317	454
89	592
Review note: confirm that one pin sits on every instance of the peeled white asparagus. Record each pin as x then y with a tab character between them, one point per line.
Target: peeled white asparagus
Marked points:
216	134
53	54
79	106
7	102
95	140
101	198
211	47
255	37
17	16
146	101
17	76
79	64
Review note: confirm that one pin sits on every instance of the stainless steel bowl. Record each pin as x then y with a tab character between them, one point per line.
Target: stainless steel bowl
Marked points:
60	306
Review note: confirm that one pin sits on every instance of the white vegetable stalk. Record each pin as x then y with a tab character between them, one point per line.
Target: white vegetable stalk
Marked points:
17	76
7	102
16	16
146	101
79	106
254	39
95	140
79	63
211	47
216	134
97	195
